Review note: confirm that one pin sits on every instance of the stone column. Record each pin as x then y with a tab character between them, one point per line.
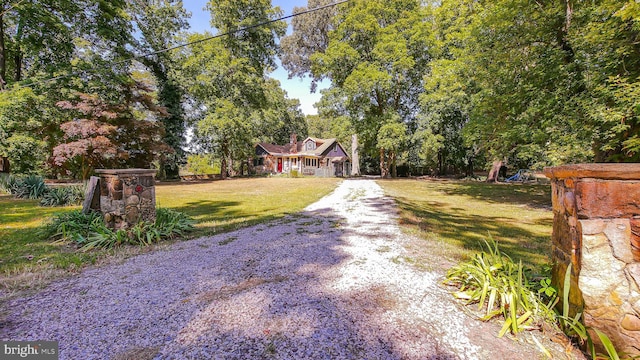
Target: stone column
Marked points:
127	196
596	228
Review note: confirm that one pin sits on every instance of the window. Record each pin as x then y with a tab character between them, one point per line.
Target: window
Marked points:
258	161
308	162
294	161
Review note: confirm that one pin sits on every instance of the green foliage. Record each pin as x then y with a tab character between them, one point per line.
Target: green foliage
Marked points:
88	231
29	187
500	287
8	182
202	164
295	174
63	196
23	119
73	225
227	78
156	21
34	187
171	223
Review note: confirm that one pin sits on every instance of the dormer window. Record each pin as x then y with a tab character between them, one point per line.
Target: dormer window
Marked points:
310	145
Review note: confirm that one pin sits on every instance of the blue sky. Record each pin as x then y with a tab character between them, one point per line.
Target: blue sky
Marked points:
296	88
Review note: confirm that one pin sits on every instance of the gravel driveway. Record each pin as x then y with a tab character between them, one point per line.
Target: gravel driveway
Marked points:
328	283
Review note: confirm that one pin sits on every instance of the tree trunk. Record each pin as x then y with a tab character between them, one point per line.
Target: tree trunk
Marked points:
3	53
18	64
394	170
495	171
17	58
383	167
355	157
223	165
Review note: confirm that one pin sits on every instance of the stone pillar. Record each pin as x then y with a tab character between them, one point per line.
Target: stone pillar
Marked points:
596	228
127	196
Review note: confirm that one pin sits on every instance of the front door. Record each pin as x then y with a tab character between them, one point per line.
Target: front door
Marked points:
279	164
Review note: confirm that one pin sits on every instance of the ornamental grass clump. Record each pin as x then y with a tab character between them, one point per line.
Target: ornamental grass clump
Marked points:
63	196
34	187
88	231
500	287
29	187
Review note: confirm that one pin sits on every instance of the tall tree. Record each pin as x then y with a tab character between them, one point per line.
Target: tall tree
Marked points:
227	78
23	121
310	35
159	21
375	57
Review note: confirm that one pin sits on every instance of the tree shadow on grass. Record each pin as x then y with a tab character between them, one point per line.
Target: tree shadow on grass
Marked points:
470	231
536	196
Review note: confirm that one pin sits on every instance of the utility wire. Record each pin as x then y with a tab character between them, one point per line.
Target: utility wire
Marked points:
120	62
11	7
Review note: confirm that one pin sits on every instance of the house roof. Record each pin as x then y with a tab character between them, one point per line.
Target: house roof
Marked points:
321	146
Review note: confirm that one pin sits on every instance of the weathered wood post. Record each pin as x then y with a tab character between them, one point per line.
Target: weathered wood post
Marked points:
596	228
127	196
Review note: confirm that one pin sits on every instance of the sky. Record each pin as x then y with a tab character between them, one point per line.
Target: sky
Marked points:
296	88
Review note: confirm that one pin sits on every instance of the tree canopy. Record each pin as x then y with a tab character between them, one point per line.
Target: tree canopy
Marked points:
532	83
435	87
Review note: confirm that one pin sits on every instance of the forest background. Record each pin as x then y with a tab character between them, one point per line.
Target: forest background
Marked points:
429	87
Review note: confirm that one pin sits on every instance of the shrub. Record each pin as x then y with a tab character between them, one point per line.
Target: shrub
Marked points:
7	183
294	173
173	223
202	164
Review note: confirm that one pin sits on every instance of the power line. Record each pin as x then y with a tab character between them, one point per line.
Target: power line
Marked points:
11	7
120	62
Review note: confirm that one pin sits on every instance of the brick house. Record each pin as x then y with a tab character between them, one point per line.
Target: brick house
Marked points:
317	157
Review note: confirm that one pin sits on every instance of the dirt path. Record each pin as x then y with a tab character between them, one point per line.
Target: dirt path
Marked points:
329	283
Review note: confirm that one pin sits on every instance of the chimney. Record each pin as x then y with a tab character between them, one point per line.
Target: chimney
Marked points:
293	140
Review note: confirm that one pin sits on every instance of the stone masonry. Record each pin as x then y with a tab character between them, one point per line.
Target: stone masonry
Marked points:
127	196
596	228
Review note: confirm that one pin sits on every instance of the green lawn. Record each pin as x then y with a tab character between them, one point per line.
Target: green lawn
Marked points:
223	205
454	217
217	206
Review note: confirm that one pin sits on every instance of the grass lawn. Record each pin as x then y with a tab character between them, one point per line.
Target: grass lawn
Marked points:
454	217
224	205
217	206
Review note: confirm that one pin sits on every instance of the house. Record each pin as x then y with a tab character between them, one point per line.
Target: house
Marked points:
318	157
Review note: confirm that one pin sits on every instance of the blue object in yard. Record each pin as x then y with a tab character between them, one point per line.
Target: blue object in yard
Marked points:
515	177
522	175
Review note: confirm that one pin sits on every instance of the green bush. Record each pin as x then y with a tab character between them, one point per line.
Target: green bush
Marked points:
7	183
34	187
72	226
173	223
88	231
202	164
294	173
